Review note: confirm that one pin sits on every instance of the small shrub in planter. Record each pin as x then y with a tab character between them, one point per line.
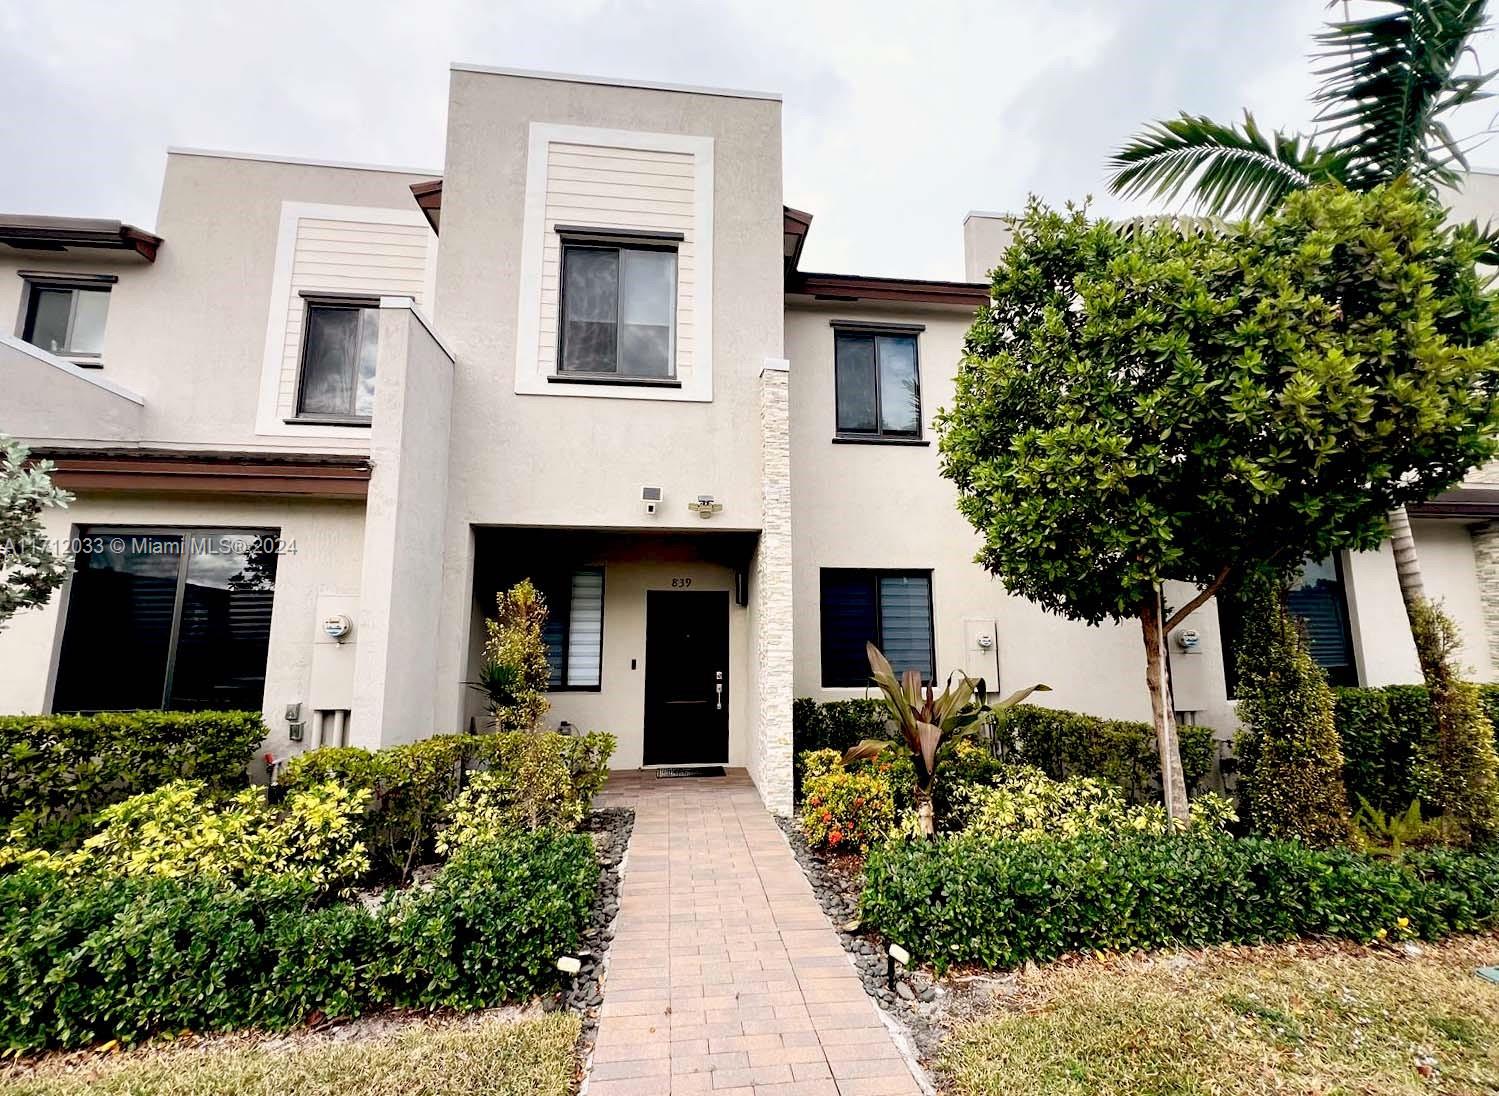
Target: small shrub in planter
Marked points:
845	809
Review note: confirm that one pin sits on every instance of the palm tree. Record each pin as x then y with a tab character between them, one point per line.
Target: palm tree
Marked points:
1389	83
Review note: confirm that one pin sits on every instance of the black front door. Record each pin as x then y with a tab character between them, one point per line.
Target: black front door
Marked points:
686	678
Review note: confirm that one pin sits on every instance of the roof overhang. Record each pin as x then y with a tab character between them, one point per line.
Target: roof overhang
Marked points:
209	472
428	197
26	232
796	225
1470	503
858	287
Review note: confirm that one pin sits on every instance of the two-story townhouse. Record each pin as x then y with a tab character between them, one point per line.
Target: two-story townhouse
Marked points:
323	413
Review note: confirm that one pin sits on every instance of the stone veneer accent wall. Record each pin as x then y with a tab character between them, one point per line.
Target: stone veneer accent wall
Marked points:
770	598
1486	563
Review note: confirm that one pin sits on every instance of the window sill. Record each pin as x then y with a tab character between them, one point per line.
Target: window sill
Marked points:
329	420
576	689
604	378
875	439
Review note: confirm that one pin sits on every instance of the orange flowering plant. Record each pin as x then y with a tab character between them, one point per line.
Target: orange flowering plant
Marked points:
845	809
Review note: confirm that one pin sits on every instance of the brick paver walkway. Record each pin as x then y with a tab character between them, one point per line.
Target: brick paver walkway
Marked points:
724	975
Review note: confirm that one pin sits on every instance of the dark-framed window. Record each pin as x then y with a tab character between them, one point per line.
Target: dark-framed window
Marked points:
66	316
618	311
167	618
340	342
891	609
1318	599
574	631
877	382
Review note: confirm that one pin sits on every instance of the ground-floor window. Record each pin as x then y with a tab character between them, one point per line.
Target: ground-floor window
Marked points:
574	631
891	609
162	618
1318	599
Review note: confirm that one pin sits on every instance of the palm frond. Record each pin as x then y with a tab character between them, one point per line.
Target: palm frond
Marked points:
1387	82
1223	169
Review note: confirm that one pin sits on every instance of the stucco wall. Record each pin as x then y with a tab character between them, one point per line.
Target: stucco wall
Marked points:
395	685
327	536
188	332
574	459
887	506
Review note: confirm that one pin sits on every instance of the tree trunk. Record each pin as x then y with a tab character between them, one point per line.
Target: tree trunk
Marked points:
924	812
1407	563
1173	784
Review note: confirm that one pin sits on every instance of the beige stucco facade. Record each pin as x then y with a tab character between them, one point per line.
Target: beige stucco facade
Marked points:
483	461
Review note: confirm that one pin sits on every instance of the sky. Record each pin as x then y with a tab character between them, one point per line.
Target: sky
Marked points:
899	118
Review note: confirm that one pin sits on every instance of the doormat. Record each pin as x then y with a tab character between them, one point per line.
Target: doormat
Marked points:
696	770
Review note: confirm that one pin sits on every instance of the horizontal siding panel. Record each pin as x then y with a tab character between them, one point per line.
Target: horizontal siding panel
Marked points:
610	152
585	176
622	188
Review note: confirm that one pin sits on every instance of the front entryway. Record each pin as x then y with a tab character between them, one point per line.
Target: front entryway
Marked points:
686	677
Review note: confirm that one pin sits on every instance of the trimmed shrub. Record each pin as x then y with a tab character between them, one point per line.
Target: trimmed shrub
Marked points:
1457	769
846	809
837	725
56	770
494	921
1122	751
1381	731
534	778
1025	804
1291	779
87	960
960	899
180	831
410	786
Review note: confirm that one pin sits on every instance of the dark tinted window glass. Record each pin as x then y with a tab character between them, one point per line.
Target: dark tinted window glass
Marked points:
878	384
48	326
134	591
338	363
590	304
1317	599
226	625
850	619
900	401
854	362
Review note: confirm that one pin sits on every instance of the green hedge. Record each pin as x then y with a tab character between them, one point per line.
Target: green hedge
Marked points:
963	899
836	725
1062	744
413	784
1380	729
82	962
57	770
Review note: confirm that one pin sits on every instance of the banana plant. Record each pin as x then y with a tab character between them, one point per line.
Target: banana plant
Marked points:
925	721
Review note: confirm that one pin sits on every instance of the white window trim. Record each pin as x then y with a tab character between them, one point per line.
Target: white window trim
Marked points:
268	416
530	375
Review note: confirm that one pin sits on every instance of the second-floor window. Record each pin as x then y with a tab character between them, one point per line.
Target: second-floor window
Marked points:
878	384
66	320
618	312
340	338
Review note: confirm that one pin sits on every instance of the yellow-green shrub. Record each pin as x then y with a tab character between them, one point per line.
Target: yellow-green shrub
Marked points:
181	831
844	809
1027	805
56	770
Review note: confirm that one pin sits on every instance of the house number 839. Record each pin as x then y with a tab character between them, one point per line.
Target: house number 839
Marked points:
681	583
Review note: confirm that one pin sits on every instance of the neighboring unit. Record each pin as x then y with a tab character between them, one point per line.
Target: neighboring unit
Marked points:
324	413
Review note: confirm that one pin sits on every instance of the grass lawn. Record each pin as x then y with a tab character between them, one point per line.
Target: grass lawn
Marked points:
533	1057
1299	1019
